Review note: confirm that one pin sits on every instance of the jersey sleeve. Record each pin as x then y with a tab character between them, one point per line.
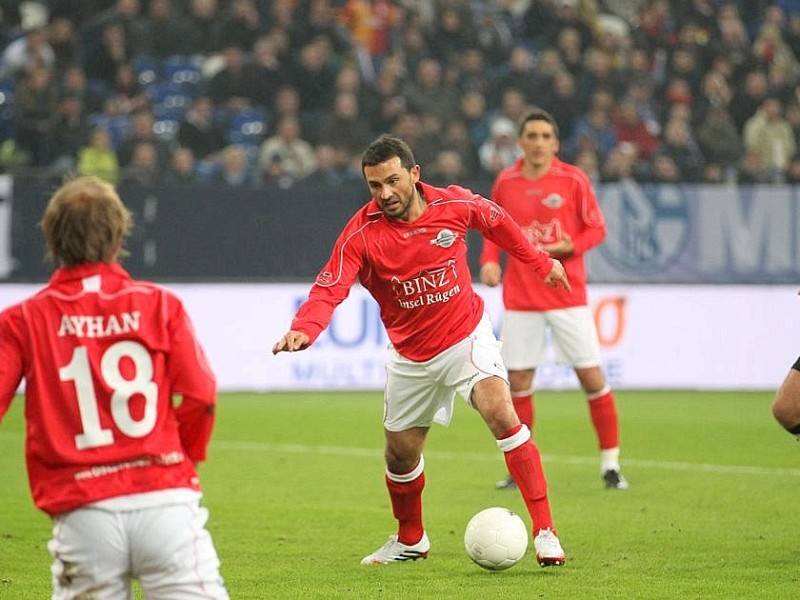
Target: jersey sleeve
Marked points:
11	361
591	217
191	377
333	283
499	228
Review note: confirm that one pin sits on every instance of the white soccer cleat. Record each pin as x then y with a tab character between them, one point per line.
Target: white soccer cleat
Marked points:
549	552
393	551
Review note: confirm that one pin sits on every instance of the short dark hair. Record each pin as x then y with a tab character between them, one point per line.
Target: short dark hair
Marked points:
387	147
538	114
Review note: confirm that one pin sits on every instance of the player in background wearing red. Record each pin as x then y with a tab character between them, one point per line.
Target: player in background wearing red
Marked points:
109	457
555	205
407	247
786	406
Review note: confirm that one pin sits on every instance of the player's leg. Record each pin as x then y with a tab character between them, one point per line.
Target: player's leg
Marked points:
172	553
576	341
90	556
405	481
411	403
786	406
491	398
523	349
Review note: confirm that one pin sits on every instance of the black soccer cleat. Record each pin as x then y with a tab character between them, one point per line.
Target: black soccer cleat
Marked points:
614	480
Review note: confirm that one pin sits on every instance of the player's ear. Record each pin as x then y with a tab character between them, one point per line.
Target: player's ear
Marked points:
415	171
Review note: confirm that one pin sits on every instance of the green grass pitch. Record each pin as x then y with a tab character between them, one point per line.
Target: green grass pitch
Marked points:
294	484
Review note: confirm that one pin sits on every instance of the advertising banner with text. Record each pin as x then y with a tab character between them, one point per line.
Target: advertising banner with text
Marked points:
652	337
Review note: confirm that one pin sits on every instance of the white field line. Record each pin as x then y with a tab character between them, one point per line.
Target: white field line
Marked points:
475	456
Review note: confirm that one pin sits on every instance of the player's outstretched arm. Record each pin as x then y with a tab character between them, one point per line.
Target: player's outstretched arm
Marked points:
291	342
558	276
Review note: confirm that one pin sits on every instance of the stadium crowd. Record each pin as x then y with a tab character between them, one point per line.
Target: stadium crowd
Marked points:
246	92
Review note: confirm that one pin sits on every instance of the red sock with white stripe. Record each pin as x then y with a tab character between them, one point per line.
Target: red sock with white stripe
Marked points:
525	465
405	492
603	411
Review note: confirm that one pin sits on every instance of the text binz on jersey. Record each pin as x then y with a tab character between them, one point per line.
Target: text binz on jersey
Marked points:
96	326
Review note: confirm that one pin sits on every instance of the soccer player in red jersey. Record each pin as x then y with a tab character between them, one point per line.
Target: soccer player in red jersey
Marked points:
555	205
109	457
407	247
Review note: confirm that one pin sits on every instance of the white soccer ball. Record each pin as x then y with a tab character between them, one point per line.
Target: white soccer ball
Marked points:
496	538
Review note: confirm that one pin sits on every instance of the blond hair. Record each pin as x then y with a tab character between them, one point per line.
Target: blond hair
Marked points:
85	222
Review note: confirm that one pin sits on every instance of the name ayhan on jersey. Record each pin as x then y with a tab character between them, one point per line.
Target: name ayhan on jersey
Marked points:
96	326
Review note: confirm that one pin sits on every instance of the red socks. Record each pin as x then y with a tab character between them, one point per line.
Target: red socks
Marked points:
525	465
603	411
523	405
405	492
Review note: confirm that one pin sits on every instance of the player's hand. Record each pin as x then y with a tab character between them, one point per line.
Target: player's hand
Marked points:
490	274
558	276
562	248
291	342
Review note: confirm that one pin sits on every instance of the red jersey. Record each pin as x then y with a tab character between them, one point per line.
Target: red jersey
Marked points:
102	356
560	201
417	272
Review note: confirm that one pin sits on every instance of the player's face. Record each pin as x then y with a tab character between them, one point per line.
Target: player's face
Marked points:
393	188
538	142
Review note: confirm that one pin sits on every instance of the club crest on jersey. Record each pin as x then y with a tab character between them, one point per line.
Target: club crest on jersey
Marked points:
444	239
325	278
553	201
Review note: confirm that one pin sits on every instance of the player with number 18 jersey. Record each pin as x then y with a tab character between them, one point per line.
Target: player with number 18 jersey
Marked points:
102	356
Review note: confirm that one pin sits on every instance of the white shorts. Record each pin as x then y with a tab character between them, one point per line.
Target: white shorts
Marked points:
421	393
167	549
574	336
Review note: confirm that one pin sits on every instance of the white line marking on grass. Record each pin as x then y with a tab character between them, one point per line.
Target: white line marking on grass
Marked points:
475	456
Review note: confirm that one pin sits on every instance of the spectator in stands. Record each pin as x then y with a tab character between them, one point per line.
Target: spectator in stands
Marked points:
26	53
63	39
128	14
772	137
594	132
474	115
453	33
679	145
333	168
622	164
236	86
456	138
242	25
126	96
588	161
269	68
169	30
345	125
629	127
749	97
198	131
519	72
36	103
144	167
143	131
320	17
720	140
447	168
501	149
287	148
752	168
314	75
70	132
109	54
235	168
182	167
371	26
204	26
428	93
563	103
99	158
